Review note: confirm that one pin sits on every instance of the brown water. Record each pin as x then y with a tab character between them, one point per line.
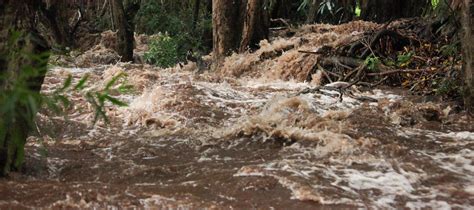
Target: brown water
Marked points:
215	140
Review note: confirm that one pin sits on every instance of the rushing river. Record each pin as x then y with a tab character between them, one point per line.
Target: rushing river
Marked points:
196	141
246	136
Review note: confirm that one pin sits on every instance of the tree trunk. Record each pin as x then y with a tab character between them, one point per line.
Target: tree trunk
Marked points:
237	25
313	11
226	26
468	53
125	39
256	25
61	20
19	64
56	20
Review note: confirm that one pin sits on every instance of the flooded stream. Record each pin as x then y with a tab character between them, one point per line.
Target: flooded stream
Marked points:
190	140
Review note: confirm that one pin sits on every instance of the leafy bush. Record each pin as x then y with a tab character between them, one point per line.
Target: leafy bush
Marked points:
163	51
447	87
404	59
372	63
175	18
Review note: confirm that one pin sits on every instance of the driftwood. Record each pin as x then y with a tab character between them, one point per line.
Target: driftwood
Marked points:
278	28
397	71
340	87
310	52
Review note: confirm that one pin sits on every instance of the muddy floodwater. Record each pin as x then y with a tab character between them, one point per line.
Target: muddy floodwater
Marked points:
248	136
188	141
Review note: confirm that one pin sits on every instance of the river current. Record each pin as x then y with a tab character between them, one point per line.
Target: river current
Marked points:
216	140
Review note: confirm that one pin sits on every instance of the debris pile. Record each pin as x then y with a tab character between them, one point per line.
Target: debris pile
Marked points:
407	53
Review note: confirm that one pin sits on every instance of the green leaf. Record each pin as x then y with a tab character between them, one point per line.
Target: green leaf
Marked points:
113	81
99	113
115	101
64	100
404	59
101	98
67	83
81	84
125	88
52	106
32	104
372	63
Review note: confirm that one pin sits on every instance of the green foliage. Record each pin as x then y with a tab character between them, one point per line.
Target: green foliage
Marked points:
98	98
372	63
450	50
445	16
58	102
304	4
175	19
404	59
153	18
446	86
163	51
358	11
330	11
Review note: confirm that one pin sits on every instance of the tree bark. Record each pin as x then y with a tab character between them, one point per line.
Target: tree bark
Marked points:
256	25
62	19
237	25
56	19
313	11
468	53
226	26
125	39
18	65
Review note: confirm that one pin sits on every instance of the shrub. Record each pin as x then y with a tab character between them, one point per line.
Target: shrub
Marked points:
163	51
175	18
372	63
